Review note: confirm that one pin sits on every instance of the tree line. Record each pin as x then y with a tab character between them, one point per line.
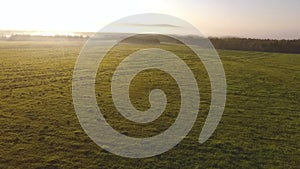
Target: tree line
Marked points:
262	45
245	44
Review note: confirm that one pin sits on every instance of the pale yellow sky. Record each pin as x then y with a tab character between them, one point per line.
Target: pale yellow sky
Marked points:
255	18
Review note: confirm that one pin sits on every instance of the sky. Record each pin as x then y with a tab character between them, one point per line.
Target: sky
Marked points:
274	19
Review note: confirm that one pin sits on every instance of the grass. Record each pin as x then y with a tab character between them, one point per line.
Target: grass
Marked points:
40	129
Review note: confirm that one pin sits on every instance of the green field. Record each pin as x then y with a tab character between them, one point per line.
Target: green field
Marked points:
39	127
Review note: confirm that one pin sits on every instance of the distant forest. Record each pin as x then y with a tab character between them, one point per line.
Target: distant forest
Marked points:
245	44
263	45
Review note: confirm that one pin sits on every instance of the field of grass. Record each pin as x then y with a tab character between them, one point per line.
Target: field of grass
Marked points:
39	127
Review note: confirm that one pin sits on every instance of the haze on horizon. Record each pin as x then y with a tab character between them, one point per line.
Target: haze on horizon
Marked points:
274	19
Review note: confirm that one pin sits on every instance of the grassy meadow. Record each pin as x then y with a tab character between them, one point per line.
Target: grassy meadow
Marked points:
39	127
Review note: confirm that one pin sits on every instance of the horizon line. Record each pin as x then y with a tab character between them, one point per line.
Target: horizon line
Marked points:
66	33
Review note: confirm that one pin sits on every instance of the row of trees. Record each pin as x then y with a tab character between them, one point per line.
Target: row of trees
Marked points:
264	45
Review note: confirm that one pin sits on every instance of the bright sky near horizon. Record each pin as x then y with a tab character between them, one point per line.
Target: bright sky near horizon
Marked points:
243	18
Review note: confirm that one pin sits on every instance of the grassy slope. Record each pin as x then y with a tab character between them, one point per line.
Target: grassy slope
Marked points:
39	128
